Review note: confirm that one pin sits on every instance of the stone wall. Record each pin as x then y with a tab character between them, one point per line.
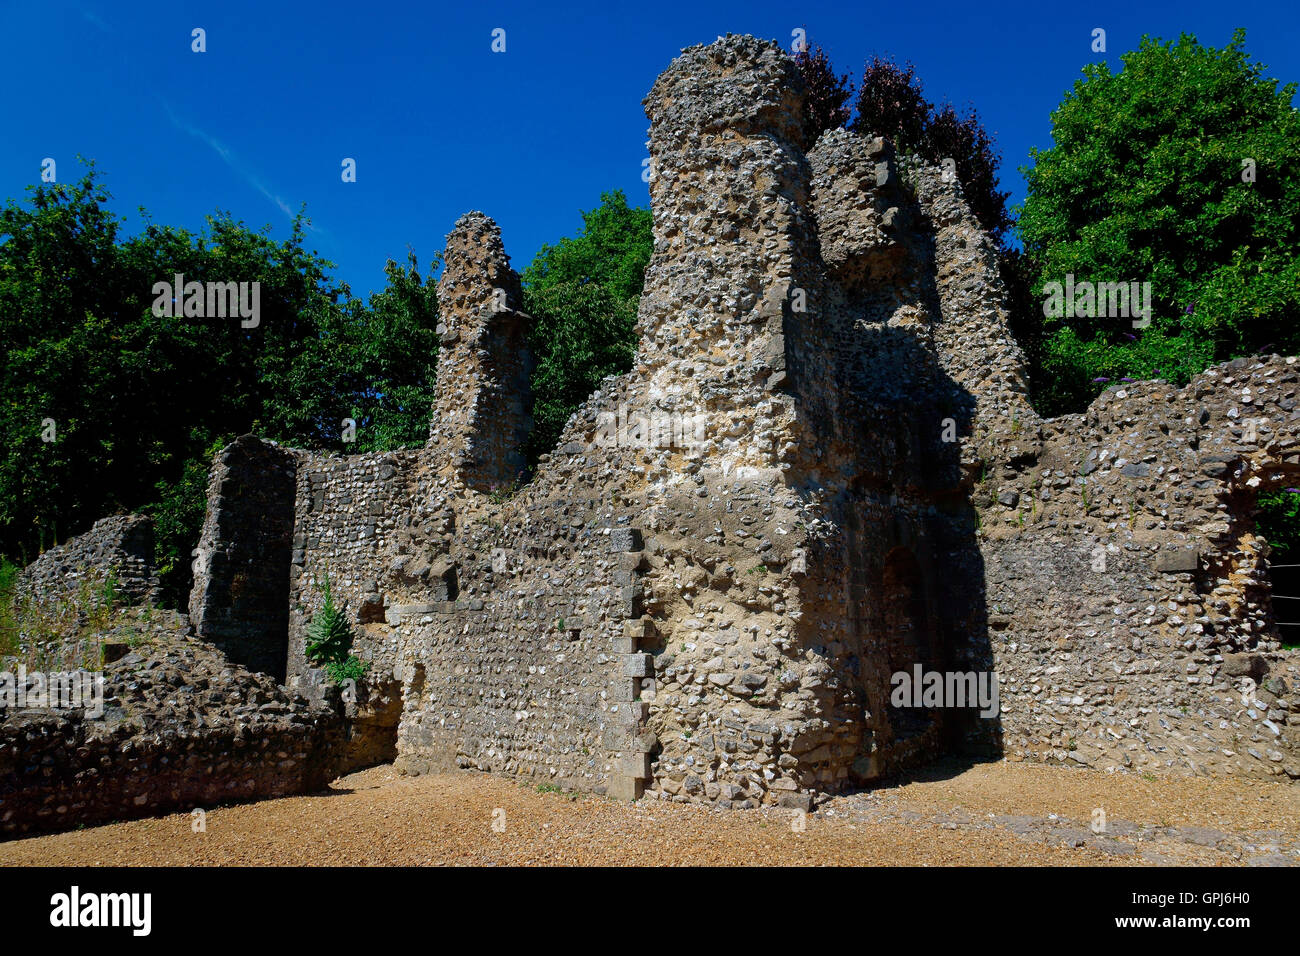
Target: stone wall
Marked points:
120	547
503	606
1129	588
240	598
368	711
350	518
181	729
517	673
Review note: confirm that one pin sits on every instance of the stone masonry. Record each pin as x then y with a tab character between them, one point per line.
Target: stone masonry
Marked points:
120	547
822	470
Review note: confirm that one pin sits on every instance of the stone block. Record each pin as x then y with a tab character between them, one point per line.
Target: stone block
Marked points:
795	801
630	715
624	787
403	612
630	600
638	665
1176	562
634	765
115	651
1245	665
624	690
630	561
442	580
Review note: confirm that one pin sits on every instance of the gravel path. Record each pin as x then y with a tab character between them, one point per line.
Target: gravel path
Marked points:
994	814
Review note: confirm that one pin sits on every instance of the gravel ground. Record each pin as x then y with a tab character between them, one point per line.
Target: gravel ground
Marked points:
994	814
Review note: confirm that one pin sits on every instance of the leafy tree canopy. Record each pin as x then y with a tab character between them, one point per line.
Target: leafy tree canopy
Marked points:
828	95
612	249
135	403
582	294
1182	170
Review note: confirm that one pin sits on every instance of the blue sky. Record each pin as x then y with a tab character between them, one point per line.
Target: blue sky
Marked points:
439	124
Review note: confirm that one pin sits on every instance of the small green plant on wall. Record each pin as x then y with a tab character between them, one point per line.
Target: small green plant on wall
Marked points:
329	642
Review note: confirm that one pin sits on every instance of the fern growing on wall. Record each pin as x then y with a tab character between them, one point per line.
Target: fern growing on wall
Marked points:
329	641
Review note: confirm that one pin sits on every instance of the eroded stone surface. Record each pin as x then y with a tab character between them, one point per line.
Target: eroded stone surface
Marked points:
822	470
836	476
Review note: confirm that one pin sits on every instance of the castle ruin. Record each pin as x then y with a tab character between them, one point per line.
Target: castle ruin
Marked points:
720	619
868	491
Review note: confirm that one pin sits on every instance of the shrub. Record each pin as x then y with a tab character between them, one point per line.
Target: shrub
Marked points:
827	95
892	103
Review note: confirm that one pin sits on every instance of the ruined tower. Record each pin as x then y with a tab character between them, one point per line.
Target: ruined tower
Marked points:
718	613
483	410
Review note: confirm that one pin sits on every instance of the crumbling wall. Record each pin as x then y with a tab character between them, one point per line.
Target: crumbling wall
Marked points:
119	547
510	600
368	712
482	408
181	728
240	597
1128	586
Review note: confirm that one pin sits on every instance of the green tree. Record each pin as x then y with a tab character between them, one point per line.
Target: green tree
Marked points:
136	402
374	363
581	333
582	294
612	249
178	508
1149	179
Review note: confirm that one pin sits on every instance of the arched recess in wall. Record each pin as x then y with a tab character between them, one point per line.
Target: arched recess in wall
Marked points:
1276	512
1246	575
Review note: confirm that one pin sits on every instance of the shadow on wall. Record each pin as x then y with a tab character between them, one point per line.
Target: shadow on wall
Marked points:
902	586
240	600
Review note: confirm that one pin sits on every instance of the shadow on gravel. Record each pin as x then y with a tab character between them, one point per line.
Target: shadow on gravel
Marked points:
945	768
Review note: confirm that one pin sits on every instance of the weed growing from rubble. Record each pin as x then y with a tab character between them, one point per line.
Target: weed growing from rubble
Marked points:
499	494
57	633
